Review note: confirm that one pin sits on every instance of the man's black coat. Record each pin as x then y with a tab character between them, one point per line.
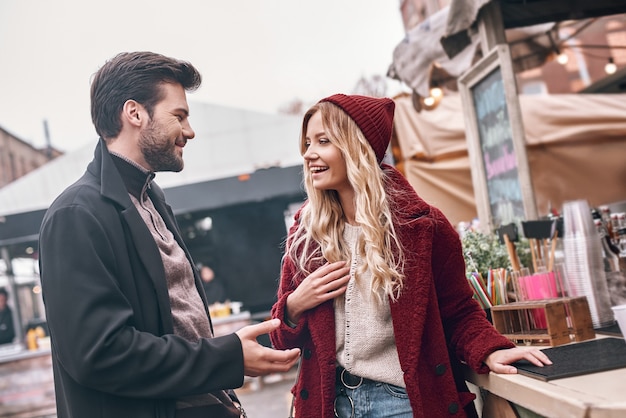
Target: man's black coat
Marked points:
107	306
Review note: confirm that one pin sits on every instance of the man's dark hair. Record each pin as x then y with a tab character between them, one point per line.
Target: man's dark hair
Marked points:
137	76
4	292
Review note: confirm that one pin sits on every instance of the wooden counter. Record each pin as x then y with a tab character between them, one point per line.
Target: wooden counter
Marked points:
594	395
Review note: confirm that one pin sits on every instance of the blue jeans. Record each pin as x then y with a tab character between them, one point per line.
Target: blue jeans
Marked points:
372	400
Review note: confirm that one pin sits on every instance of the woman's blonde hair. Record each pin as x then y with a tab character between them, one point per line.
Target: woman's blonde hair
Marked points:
319	235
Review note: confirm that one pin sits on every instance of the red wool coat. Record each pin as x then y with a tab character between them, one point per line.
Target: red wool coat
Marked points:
436	322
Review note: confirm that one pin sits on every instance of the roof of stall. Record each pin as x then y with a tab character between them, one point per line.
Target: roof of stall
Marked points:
445	45
236	156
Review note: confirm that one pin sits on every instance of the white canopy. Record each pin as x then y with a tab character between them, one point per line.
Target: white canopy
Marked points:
228	142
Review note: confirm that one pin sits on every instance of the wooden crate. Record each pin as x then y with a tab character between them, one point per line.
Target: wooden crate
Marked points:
567	320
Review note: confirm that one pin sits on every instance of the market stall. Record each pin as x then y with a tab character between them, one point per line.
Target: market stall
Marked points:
575	145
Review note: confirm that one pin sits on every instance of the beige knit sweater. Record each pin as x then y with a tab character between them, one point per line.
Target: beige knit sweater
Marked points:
365	341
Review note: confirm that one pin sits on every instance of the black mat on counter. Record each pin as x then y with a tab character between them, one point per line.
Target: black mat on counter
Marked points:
610	330
578	358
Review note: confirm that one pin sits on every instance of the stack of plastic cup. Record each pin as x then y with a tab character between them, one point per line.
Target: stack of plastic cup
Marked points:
620	317
583	261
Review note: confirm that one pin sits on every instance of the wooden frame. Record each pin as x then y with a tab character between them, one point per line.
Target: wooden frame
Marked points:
496	144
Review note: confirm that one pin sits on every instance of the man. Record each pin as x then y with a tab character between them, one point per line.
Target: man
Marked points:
128	319
7	331
213	288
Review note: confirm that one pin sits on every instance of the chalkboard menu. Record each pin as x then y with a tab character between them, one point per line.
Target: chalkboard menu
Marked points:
498	153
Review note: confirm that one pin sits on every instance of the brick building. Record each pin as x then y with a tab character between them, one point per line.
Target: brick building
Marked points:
18	157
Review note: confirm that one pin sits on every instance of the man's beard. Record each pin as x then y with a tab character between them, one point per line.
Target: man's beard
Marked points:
158	150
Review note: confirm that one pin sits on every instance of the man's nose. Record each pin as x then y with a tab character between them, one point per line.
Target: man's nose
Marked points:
188	131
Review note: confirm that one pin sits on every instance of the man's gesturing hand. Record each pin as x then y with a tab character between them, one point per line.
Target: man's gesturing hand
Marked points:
259	360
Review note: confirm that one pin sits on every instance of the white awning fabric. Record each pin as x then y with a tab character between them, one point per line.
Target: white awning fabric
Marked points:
576	147
446	43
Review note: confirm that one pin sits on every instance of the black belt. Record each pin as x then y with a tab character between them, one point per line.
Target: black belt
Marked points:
349	380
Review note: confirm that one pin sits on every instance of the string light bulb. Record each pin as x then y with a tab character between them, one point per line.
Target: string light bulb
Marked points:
436	92
429	101
562	58
610	66
432	101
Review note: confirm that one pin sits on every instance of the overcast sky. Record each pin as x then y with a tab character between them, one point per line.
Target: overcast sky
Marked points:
253	54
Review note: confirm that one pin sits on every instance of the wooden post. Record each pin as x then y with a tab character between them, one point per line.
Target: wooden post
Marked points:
495	131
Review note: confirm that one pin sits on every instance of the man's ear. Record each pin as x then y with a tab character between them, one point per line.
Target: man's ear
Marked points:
133	113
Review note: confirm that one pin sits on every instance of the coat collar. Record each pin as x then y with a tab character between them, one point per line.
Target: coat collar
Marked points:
112	185
136	178
404	201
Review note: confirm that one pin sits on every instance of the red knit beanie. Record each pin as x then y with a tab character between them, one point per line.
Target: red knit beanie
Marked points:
374	116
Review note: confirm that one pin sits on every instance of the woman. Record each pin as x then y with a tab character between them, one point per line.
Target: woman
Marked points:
373	286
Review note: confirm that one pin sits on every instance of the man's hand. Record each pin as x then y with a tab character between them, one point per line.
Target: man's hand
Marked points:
259	360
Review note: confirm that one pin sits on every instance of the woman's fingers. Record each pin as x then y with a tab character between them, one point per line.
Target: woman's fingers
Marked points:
538	358
325	283
331	270
500	361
